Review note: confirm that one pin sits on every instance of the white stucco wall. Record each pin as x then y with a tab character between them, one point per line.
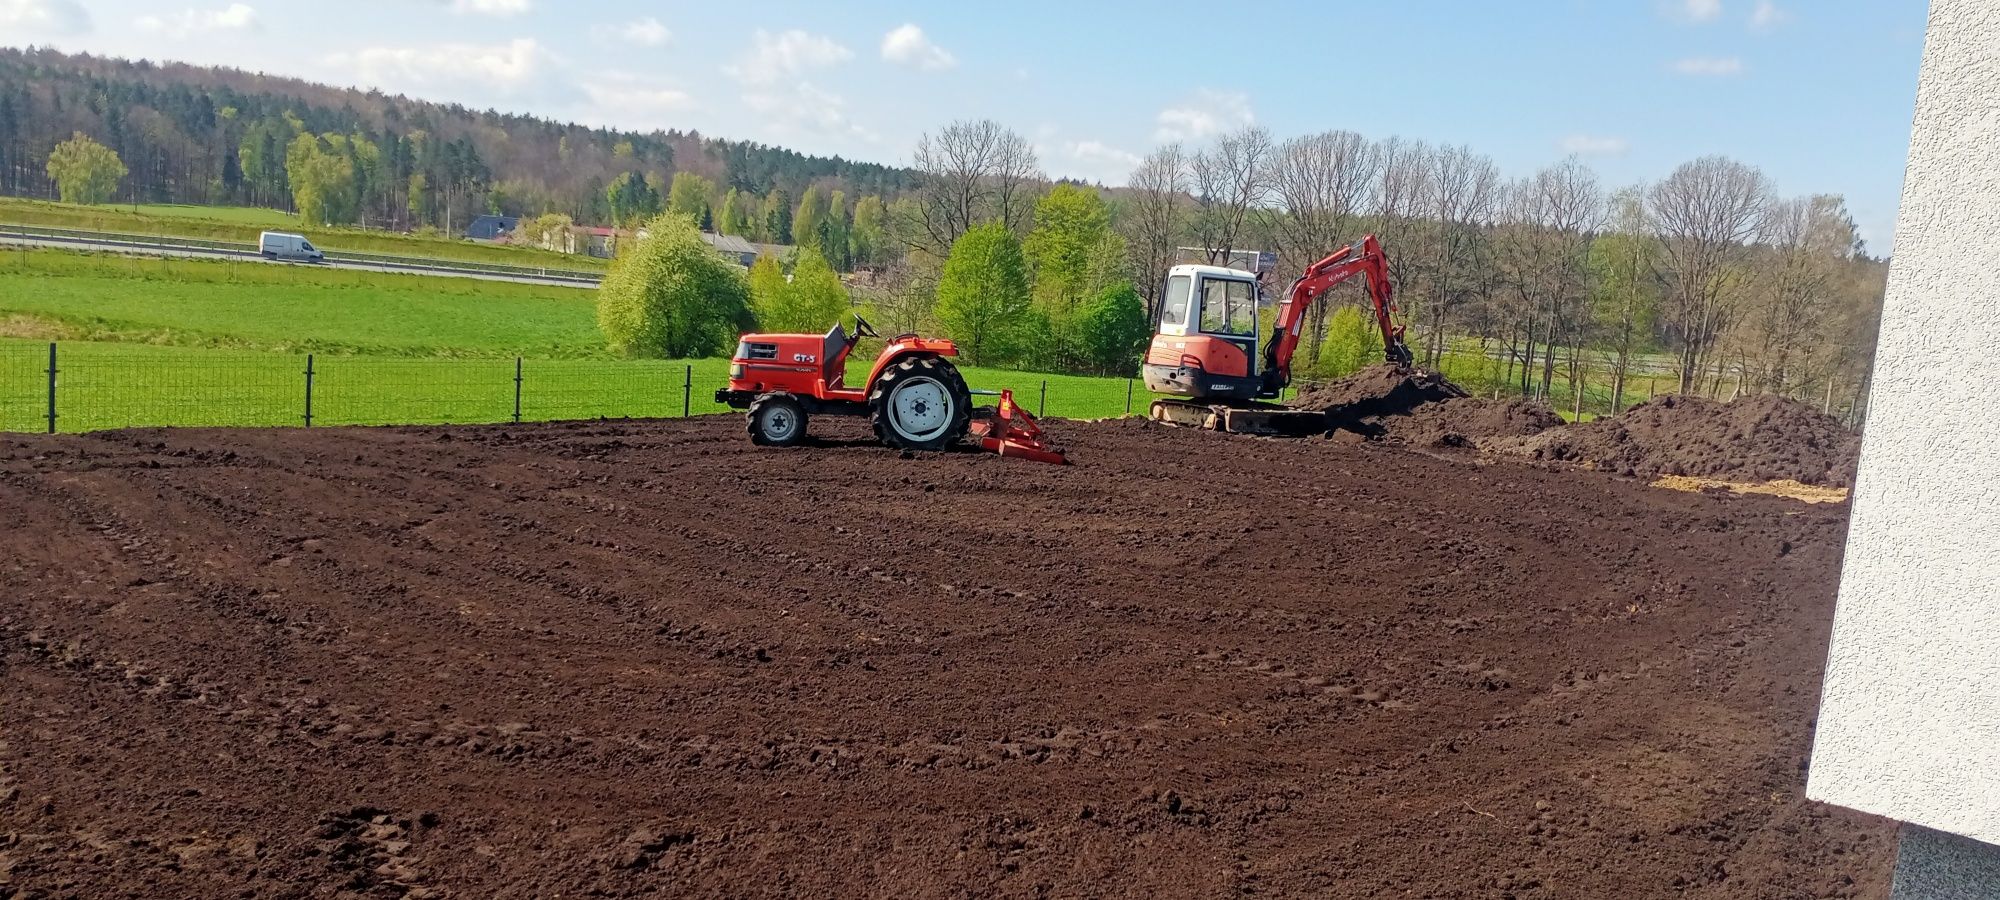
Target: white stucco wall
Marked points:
1910	719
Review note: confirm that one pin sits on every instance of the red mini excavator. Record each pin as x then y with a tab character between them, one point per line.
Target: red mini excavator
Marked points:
914	397
1205	345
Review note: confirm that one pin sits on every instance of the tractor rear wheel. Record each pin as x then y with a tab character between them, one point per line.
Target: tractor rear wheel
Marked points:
777	420
920	403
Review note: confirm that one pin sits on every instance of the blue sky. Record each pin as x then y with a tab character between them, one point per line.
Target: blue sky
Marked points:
1816	92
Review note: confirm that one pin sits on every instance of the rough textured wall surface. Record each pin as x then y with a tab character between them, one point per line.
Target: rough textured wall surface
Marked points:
1910	717
1932	865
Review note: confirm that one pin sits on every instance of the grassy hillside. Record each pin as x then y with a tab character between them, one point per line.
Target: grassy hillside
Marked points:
243	224
256	306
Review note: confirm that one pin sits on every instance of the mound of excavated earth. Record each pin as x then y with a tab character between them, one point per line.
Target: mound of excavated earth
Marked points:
1756	438
1470	422
649	659
1358	401
1752	439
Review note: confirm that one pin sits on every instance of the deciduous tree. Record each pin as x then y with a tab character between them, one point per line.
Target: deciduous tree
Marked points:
672	296
982	296
84	170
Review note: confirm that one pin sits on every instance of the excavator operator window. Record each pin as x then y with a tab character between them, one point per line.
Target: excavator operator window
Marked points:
1228	306
1175	310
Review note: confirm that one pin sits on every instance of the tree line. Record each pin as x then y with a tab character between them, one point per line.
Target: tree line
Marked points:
222	136
1548	279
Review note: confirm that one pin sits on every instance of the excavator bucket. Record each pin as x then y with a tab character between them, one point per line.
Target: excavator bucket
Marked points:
1010	431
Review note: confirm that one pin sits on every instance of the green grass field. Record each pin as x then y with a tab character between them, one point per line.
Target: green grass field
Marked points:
205	342
237	215
258	306
111	385
243	224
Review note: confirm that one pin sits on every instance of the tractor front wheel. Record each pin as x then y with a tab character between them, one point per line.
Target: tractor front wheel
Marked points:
920	404
777	420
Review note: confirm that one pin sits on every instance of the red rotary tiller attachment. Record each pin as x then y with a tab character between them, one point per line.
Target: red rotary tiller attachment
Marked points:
1010	431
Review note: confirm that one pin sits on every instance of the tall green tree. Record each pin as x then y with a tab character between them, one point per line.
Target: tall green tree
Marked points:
1112	330
1070	222
778	217
84	170
689	194
321	177
808	302
982	296
811	212
672	296
867	240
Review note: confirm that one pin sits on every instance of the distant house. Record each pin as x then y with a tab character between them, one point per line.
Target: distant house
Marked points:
492	228
734	247
600	242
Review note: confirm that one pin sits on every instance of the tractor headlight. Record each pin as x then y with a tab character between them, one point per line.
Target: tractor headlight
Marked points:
735	370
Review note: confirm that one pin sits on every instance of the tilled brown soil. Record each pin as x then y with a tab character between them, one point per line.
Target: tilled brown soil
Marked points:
649	659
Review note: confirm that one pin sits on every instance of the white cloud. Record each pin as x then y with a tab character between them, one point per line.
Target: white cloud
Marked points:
805	109
1694	10
1091	160
772	57
1100	152
235	17
1206	114
1709	66
500	8
908	46
1595	145
1768	16
645	32
60	18
628	101
503	66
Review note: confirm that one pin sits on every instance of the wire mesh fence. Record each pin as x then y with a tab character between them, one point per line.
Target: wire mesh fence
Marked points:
96	386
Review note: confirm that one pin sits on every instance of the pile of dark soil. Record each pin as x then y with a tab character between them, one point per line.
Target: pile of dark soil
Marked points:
1358	401
1754	439
1471	423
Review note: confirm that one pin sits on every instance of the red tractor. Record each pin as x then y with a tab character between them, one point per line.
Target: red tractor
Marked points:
914	397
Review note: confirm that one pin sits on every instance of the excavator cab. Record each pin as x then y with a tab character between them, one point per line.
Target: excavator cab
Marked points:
1205	344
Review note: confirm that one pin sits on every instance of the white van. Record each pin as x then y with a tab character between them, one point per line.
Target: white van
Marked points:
280	245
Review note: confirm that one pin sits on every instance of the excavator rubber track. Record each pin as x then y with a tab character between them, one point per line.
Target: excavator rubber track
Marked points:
1264	419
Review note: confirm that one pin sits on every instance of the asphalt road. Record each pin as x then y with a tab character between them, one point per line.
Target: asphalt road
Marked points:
442	268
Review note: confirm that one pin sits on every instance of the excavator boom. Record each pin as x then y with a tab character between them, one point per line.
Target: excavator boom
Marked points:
1364	258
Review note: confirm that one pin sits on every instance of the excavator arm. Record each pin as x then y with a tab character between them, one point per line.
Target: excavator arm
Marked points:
1365	258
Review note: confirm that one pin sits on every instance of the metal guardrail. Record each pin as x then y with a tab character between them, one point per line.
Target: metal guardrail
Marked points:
233	248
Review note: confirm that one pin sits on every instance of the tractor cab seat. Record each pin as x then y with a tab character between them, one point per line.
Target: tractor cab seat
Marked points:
830	358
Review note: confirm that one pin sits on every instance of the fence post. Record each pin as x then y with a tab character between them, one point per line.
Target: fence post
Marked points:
309	390
687	392
52	387
517	390
1128	396
1043	410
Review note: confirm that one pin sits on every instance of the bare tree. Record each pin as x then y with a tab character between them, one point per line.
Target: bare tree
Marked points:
1706	212
1809	245
1456	196
1231	179
1625	270
970	172
1323	184
1402	179
1159	212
